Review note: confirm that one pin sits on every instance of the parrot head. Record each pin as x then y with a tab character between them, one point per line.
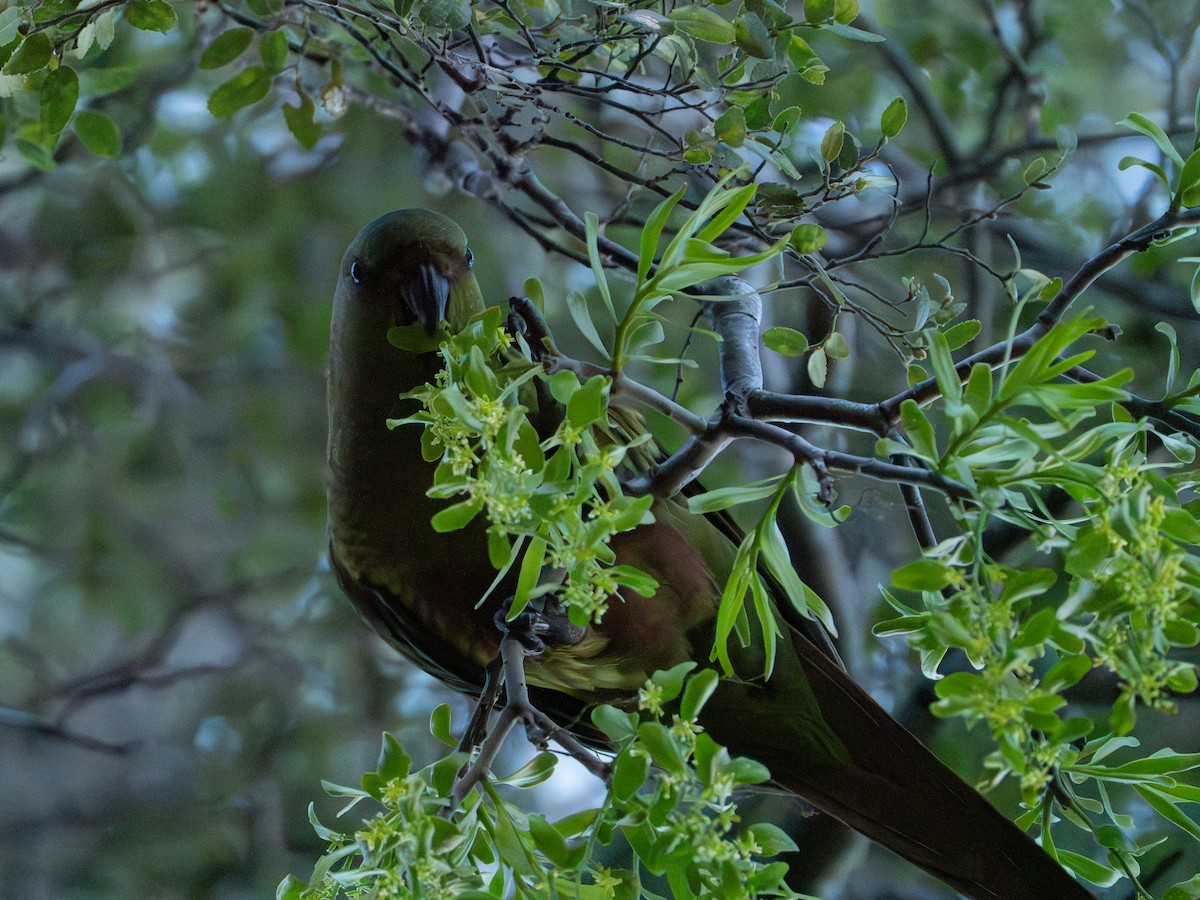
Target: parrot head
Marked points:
412	265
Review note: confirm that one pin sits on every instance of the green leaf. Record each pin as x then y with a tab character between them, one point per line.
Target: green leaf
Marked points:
752	36
696	693
771	839
943	369
587	404
977	391
660	744
845	11
808	237
805	61
449	14
730	127
300	122
961	334
244	89
722	208
101	82
670	681
98	133
10	21
393	761
818	367
747	771
1150	129
1072	729
455	517
33	54
1034	171
787	341
893	118
919	429
1035	631
836	346
60	92
1184	890
527	579
1189	181
439	725
291	888
550	843
1123	716
227	47
831	143
273	49
616	725
578	308
641	583
1181	525
703	23
1167	807
1066	672
535	772
923	575
723	498
818	10
151	15
628	774
413	338
592	228
36	150
1162	762
1086	868
959	684
1128	162
652	232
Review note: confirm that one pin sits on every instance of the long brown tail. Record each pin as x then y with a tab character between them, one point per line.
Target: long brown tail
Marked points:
867	770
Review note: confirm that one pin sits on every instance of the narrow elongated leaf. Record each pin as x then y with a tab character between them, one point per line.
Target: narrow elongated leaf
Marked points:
582	317
648	245
531	570
1166	807
1152	130
918	429
1189	181
592	226
943	369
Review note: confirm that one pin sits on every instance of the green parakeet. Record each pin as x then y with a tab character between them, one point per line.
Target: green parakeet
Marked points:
821	735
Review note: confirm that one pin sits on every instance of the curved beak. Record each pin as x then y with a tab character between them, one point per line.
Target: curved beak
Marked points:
427	295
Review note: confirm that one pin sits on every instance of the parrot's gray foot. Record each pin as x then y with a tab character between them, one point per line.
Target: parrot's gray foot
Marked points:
537	629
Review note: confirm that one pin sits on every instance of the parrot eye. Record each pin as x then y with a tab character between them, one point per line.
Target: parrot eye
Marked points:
470	257
357	272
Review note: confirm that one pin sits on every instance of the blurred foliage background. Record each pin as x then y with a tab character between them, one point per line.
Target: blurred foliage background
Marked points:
177	670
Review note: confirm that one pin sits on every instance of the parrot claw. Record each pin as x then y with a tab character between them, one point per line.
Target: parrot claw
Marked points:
526	320
537	629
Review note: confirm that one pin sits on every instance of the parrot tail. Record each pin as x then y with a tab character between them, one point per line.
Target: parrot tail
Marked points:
825	739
